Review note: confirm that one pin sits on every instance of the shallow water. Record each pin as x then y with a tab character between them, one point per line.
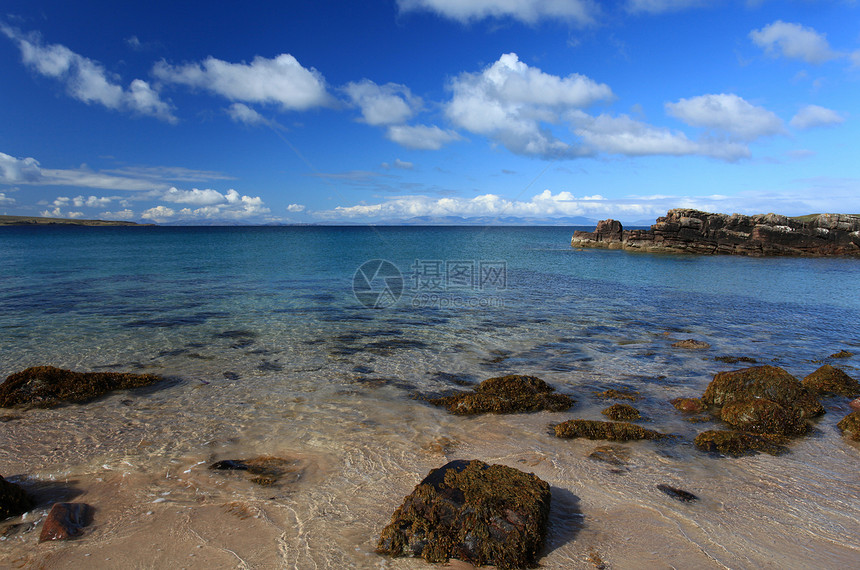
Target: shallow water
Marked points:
267	351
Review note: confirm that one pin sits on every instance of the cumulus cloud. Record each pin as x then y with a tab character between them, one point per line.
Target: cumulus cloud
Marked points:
580	12
91	201
4	199
794	41
281	80
195	196
729	113
626	136
295	208
58	213
510	102
125	214
421	137
158	214
388	104
87	80
658	6
19	170
813	116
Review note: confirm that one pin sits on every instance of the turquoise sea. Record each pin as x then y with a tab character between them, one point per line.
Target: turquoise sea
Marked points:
315	343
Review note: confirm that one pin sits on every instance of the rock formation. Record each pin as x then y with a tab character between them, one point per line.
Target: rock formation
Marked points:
479	513
692	231
506	395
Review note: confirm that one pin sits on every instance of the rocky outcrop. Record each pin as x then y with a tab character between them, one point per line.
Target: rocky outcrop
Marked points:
610	431
831	380
47	386
505	395
692	231
469	510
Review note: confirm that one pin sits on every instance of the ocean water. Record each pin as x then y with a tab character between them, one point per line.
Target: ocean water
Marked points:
316	344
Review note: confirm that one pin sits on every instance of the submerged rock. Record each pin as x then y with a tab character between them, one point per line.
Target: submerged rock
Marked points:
611	454
469	510
854	404
504	395
613	394
691	344
65	521
13	500
735	359
770	382
47	386
850	425
689	405
621	412
735	443
842	354
265	470
611	431
679	494
831	380
760	415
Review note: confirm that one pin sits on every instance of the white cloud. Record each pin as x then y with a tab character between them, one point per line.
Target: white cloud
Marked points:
91	202
794	41
58	213
195	196
4	199
510	102
729	113
626	136
87	80
422	137
580	12
813	116
388	104
158	214
658	6
296	208
242	113
125	214
18	170
281	80
399	164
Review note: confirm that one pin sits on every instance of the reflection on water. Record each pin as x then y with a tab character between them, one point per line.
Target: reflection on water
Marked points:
268	354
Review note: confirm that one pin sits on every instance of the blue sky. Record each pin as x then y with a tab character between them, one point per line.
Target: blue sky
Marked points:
343	111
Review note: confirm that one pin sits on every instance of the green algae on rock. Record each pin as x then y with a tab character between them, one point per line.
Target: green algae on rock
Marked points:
770	382
760	415
505	395
736	443
48	387
13	500
611	431
831	380
850	425
479	513
619	412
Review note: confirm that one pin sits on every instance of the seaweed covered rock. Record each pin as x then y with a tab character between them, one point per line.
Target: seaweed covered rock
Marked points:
736	443
689	405
850	425
620	412
831	380
504	395
611	431
760	415
47	386
769	382
13	500
265	470
66	521
472	511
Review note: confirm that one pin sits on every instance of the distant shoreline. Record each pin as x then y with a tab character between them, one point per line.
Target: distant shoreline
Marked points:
40	221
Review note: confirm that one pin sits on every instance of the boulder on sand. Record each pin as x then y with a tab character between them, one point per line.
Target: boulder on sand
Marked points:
13	500
479	513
